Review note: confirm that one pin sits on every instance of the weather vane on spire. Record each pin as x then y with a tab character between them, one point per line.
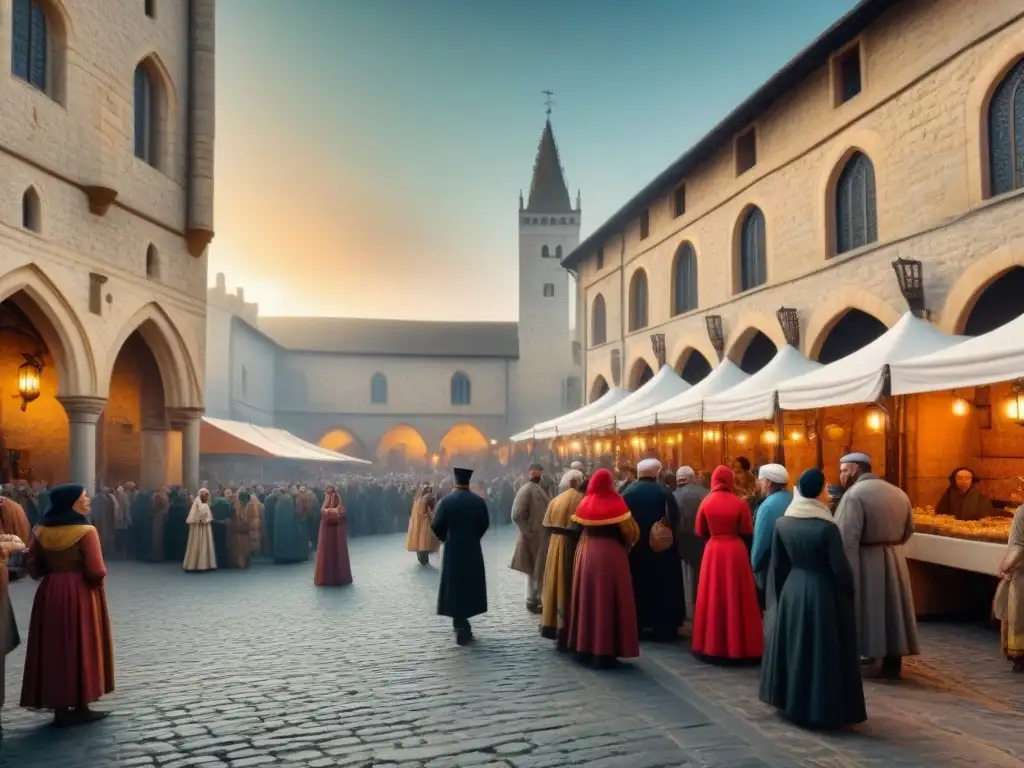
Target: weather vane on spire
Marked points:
548	101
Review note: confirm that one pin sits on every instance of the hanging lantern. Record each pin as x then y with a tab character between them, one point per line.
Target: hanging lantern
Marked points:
29	380
875	420
769	437
1015	405
960	406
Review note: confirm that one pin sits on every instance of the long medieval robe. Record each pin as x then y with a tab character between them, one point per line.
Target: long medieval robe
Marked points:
200	553
238	534
602	612
810	670
313	517
557	588
528	510
69	660
306	507
160	506
176	538
8	628
254	512
420	539
333	568
141	515
727	619
291	539
223	514
104	517
690	546
460	522
13	519
1011	589
657	576
269	507
876	519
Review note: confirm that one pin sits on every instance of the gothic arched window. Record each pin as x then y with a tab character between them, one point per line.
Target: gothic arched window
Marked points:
558	252
598	322
753	251
379	389
545	252
684	280
856	214
638	301
460	389
30	43
1006	133
146	116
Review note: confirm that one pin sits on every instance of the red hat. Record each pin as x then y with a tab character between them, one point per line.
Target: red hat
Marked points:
602	505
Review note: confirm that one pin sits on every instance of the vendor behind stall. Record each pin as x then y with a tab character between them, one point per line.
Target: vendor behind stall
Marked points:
963	499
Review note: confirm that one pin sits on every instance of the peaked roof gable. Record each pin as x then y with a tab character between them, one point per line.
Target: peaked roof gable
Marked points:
548	191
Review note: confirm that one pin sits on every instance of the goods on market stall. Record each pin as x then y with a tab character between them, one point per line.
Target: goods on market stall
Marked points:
990	529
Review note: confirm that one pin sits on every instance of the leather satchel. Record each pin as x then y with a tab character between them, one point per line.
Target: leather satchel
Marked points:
661	537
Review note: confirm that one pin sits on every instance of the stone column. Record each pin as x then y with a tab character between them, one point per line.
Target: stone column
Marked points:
153	467
83	415
187	421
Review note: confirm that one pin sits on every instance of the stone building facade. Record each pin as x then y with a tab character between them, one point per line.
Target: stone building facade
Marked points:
106	210
412	391
896	135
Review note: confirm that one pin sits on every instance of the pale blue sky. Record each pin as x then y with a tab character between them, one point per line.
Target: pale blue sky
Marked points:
370	152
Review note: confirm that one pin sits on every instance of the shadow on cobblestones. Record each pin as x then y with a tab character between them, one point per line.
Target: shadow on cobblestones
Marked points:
260	668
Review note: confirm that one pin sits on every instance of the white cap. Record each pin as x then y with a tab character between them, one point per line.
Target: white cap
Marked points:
576	465
856	458
648	466
775	473
685	473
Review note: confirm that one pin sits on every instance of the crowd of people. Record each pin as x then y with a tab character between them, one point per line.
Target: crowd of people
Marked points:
809	582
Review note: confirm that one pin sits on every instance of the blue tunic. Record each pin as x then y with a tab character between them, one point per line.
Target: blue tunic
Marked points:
291	536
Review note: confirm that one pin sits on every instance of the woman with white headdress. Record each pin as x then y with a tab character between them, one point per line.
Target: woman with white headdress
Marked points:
200	554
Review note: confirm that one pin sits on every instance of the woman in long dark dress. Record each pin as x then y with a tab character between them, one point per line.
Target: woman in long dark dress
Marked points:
811	670
333	568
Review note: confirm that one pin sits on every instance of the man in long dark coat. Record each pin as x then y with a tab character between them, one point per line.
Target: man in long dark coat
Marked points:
657	576
689	494
460	522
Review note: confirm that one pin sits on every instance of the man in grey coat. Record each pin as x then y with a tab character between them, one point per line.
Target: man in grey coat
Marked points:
689	493
875	519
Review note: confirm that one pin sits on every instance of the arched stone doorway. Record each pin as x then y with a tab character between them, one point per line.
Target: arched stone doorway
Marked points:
692	366
402	446
341	440
34	433
640	374
854	330
759	352
135	443
998	304
464	441
598	389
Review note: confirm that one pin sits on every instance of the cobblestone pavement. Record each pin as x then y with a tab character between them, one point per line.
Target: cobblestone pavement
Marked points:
259	668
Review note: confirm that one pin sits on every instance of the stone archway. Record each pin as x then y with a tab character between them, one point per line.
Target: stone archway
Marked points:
854	329
402	446
341	440
966	293
849	297
598	389
1000	302
639	374
692	366
464	440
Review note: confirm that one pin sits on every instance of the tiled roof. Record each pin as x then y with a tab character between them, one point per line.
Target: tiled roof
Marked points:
415	338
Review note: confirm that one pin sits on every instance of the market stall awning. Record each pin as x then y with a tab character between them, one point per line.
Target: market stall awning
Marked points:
860	377
665	384
754	399
237	438
607	400
987	359
687	406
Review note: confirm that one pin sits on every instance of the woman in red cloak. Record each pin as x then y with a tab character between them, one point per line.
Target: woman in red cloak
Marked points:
727	619
332	565
69	660
602	616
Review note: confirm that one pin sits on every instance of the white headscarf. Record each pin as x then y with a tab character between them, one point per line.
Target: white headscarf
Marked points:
200	512
568	477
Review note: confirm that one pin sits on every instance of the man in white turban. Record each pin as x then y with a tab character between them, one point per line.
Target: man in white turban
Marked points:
772	480
876	519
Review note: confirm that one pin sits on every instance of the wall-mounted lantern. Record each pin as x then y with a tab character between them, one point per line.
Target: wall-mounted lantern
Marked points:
29	379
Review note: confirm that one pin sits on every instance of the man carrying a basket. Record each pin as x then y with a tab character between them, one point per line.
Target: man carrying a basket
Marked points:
654	561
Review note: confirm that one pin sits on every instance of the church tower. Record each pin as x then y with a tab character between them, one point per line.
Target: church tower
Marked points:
546	380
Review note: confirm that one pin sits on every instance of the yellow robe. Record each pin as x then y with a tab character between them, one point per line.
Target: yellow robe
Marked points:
420	538
555	597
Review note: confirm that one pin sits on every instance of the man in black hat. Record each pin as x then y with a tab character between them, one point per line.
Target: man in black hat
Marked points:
460	522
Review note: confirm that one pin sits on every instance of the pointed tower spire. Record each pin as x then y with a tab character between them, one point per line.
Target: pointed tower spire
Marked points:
548	190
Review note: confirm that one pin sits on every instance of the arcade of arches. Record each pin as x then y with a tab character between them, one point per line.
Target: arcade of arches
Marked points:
402	445
50	433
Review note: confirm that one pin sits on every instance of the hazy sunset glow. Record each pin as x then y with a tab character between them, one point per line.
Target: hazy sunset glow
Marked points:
370	154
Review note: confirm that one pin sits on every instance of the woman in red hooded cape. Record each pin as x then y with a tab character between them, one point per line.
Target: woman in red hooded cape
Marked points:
332	565
602	616
727	618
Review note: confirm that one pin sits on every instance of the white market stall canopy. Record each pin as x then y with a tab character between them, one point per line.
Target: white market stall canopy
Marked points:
754	399
220	436
987	359
860	376
549	428
665	384
687	406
